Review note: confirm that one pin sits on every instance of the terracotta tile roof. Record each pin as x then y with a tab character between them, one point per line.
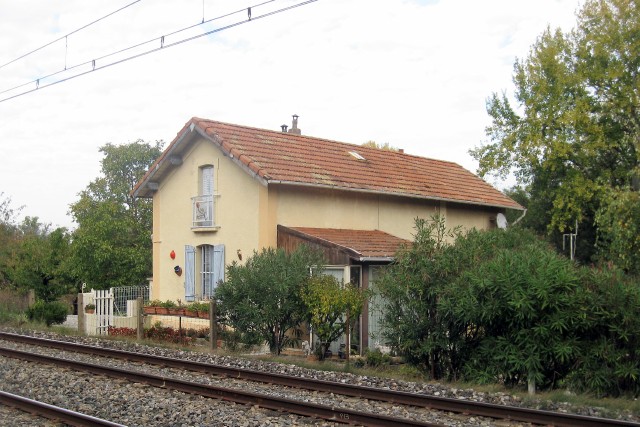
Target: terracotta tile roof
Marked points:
279	157
364	243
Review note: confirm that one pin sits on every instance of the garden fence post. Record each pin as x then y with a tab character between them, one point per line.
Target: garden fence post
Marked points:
213	329
82	320
140	319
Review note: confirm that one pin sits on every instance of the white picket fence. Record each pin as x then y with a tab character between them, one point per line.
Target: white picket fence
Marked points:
104	316
104	311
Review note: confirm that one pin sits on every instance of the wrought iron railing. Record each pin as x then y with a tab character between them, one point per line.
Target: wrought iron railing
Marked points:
203	211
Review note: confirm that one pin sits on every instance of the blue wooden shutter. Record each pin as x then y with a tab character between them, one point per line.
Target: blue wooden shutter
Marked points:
218	264
189	273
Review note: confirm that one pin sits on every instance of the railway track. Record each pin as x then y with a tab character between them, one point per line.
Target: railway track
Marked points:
306	409
337	415
53	412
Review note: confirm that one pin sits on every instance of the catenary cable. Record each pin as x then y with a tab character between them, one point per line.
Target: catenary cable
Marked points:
67	35
162	46
93	61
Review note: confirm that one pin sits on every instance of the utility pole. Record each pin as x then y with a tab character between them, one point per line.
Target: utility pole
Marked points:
573	237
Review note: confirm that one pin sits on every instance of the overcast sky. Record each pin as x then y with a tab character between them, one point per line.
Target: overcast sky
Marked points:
413	73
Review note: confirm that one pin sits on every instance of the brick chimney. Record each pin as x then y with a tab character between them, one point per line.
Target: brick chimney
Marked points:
294	126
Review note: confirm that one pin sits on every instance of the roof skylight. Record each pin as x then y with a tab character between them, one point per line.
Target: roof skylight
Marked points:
356	155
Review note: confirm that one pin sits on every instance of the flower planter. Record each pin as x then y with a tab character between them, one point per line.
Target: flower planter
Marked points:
203	314
190	313
179	311
90	310
162	310
149	310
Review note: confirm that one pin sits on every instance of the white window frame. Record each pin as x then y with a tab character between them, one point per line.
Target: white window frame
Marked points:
204	205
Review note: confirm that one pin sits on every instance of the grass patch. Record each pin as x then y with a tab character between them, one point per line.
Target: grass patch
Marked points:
13	307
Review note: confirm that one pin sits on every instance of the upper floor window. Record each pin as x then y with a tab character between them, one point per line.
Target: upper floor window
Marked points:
203	204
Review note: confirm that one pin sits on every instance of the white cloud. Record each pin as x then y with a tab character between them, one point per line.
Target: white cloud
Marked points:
412	73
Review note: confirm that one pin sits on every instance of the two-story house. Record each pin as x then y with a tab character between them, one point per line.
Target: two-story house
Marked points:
221	191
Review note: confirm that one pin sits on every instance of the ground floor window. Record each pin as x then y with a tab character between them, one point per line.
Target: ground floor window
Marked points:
208	262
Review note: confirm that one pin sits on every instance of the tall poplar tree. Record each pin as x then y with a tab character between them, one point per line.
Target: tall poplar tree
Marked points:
571	134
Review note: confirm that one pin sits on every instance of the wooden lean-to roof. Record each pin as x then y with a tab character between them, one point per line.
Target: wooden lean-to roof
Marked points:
275	157
360	245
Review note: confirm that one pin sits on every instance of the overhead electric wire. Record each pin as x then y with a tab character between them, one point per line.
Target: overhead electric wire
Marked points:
162	46
93	61
72	32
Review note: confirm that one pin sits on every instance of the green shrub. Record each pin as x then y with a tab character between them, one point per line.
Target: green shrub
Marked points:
375	358
263	297
329	303
609	362
51	313
235	340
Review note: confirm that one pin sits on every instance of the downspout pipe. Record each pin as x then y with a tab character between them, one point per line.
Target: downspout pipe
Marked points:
519	218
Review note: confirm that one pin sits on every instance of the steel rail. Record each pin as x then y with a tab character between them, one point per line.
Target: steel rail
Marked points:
53	412
339	415
513	413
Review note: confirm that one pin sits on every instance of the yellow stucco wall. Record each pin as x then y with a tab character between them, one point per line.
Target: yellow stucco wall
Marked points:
470	217
311	207
236	212
248	213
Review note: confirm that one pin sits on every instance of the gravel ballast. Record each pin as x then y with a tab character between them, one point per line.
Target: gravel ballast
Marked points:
135	404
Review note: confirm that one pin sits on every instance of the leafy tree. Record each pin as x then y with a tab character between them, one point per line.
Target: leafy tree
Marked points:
386	146
328	304
263	298
112	244
619	229
574	132
40	260
8	230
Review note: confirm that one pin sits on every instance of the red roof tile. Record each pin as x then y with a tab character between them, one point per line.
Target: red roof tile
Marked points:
279	157
366	243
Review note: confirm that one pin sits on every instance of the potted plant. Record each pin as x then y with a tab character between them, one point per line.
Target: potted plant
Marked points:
202	308
191	310
169	307
179	310
90	308
151	306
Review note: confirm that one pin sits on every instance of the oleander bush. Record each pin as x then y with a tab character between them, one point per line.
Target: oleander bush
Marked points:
502	306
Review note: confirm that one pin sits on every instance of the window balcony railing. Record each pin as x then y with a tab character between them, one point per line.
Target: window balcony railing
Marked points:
203	211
